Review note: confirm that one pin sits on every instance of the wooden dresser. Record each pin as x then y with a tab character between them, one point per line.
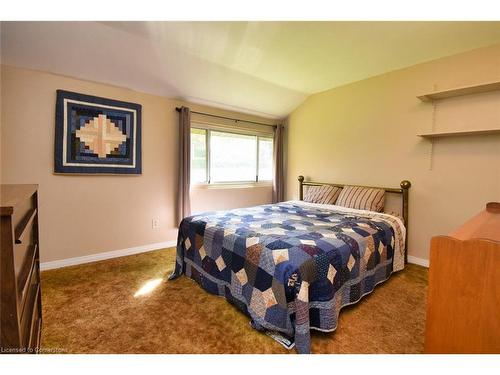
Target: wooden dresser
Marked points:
20	297
463	301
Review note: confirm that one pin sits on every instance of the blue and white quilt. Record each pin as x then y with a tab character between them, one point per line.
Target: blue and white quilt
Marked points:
290	266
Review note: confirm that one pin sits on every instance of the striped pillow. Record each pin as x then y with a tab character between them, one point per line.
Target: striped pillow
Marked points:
324	194
362	198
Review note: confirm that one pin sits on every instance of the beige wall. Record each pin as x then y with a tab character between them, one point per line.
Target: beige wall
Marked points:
211	199
365	133
83	215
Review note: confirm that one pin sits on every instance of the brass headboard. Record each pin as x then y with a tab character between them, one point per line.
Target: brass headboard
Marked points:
403	190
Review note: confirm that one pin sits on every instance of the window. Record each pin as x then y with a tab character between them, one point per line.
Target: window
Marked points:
233	157
198	155
265	159
225	157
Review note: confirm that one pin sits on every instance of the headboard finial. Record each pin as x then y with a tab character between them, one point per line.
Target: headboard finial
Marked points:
301	187
405	184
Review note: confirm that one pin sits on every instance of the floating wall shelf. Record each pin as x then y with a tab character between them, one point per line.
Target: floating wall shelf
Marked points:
459	133
434	98
460	91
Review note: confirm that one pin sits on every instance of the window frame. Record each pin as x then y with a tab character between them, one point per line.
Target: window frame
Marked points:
248	132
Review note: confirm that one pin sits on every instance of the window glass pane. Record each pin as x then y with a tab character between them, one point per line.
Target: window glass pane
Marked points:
233	157
198	155
265	159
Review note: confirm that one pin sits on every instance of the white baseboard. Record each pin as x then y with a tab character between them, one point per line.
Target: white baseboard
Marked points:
143	249
107	255
419	261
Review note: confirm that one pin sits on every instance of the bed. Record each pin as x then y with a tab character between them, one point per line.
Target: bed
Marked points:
293	265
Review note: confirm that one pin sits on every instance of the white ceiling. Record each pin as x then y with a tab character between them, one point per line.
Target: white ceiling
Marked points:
265	68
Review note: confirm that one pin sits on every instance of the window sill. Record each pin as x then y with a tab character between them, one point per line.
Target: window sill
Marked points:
232	185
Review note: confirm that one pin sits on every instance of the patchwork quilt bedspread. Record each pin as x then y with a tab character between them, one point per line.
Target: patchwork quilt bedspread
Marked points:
290	266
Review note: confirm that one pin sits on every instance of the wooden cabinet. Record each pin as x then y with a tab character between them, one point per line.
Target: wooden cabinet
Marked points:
463	302
20	297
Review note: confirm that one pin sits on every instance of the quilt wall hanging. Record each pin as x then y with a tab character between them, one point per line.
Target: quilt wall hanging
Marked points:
96	135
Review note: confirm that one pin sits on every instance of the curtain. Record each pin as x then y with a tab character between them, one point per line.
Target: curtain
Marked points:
183	201
278	165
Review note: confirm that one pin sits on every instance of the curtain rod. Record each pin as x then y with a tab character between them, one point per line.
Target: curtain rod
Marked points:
178	109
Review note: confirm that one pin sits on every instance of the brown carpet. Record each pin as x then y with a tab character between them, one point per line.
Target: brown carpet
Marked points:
92	309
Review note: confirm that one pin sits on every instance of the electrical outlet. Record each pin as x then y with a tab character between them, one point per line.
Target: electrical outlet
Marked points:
155	223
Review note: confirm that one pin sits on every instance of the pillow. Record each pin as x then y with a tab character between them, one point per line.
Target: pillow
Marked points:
324	194
362	198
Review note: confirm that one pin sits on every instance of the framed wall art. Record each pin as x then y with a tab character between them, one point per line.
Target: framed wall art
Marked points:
96	135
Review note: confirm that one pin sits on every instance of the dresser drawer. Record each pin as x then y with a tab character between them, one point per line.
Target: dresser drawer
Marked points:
28	276
22	211
24	237
30	313
36	327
